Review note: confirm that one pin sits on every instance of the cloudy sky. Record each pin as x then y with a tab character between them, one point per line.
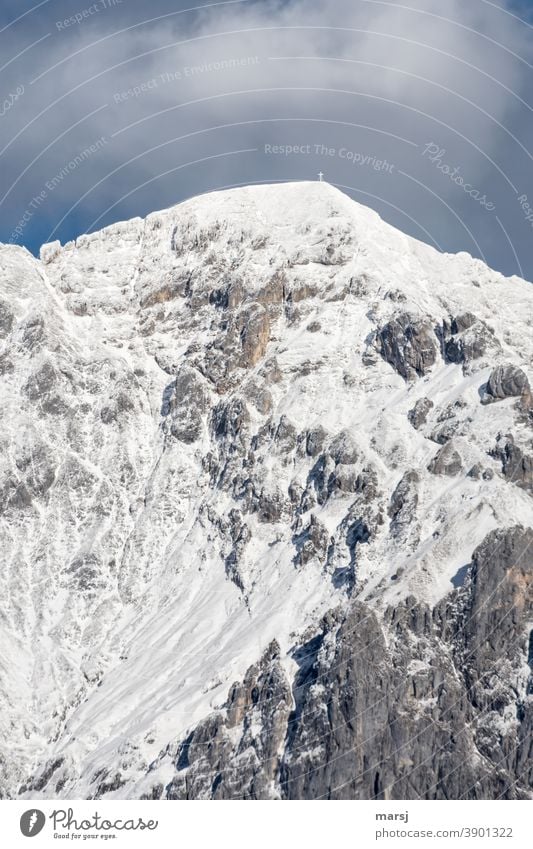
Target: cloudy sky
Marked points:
421	109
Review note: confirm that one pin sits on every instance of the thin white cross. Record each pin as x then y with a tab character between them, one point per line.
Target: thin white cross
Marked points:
321	176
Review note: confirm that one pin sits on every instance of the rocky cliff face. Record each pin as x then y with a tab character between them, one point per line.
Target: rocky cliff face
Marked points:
423	703
266	510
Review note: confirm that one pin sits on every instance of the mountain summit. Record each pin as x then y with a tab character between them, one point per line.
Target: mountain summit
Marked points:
266	507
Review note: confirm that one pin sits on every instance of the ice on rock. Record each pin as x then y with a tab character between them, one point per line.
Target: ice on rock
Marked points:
188	474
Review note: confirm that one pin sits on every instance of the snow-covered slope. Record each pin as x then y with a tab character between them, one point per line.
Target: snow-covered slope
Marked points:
218	424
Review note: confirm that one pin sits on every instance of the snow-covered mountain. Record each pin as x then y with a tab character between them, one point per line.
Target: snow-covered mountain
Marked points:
266	478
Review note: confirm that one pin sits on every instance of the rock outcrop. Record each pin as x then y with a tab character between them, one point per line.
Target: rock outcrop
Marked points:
466	340
418	415
447	461
506	381
420	704
408	344
229	452
517	466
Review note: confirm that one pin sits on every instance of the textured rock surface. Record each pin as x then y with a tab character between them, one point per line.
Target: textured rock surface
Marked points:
469	341
415	703
408	344
517	466
418	415
506	381
191	482
447	461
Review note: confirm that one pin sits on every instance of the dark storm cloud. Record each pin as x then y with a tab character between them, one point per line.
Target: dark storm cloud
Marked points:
420	109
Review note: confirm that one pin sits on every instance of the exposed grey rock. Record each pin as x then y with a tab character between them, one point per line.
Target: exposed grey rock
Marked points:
369	357
270	372
403	503
44	388
444	432
272	506
315	440
40	782
33	333
418	415
345	478
122	403
7	365
368	484
447	461
280	436
14	495
236	756
408	343
36	469
426	704
240	536
86	573
285	437
470	339
121	400
312	543
109	784
517	466
463	322
185	403
449	421
7	320
452	410
319	477
230	418
357	532
336	471
260	397
506	381
343	448
296	492
239	346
